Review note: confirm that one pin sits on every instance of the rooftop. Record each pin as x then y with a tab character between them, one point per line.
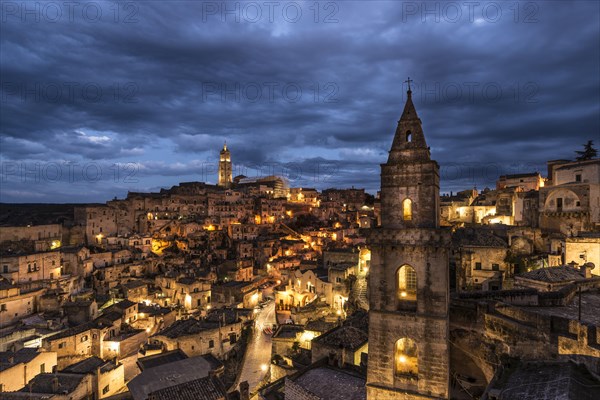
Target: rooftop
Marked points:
332	384
288	331
157	360
187	327
549	381
44	383
207	388
23	355
477	238
319	325
347	337
169	374
553	274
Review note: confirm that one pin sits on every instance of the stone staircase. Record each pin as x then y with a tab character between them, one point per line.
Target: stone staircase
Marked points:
360	292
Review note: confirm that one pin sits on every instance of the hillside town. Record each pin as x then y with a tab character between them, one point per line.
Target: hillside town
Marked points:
250	288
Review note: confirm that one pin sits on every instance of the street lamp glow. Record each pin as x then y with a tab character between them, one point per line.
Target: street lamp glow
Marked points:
264	367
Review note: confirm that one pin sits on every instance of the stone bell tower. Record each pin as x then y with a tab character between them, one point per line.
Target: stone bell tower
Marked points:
225	173
408	317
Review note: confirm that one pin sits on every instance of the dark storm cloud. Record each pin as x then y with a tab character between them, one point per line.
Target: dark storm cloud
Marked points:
161	85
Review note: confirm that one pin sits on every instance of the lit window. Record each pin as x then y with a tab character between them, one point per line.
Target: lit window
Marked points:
407	283
405	357
407	209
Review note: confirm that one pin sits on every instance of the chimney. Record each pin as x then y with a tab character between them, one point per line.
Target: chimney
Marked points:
55	384
587	270
244	390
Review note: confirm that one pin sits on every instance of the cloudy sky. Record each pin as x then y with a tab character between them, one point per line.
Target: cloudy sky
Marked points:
101	98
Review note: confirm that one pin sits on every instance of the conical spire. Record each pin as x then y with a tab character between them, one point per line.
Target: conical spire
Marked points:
409	142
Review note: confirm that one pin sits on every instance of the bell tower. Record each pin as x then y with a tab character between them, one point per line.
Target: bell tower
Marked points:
408	316
225	173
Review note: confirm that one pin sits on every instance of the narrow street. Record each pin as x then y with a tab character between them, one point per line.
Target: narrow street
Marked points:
258	352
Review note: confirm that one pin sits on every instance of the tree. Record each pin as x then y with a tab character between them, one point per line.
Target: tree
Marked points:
588	152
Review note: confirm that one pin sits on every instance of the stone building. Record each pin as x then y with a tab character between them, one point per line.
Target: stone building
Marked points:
216	336
55	386
14	305
480	259
526	182
108	377
408	315
28	267
44	237
571	203
584	249
19	367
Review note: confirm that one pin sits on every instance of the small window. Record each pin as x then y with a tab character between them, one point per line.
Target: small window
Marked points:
407	209
578	178
106	389
406	357
495	267
61	345
2	307
408	136
211	344
478	266
407	283
42	368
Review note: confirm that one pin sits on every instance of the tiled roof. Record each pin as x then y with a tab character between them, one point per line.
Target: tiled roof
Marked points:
187	327
332	384
549	381
134	284
288	331
342	266
161	359
74	331
319	325
21	356
207	388
554	274
477	237
89	365
170	374
43	383
360	320
347	337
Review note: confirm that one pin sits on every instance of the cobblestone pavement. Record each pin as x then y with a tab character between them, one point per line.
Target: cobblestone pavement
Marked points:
258	352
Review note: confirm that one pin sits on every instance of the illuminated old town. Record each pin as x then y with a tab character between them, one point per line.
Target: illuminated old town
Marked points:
267	271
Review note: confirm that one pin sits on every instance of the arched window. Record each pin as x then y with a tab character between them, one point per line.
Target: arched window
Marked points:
408	136
407	209
407	283
405	357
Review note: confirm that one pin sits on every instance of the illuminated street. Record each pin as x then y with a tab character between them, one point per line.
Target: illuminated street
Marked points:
258	352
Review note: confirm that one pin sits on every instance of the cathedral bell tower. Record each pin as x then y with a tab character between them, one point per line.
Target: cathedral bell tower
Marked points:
225	173
408	284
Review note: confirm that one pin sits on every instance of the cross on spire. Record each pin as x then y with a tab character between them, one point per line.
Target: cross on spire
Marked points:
408	81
